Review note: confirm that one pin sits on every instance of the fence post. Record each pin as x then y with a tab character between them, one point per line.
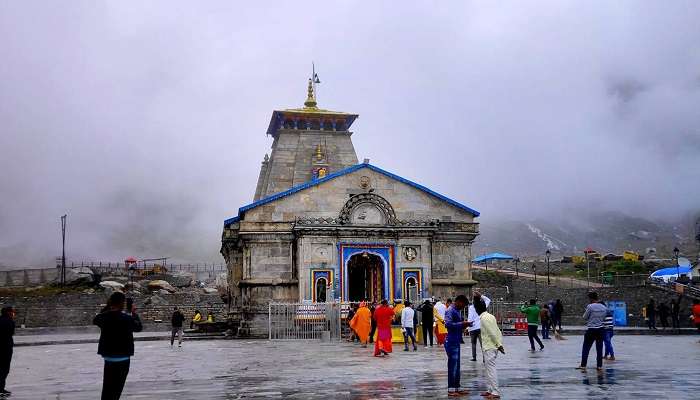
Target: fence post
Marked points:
269	320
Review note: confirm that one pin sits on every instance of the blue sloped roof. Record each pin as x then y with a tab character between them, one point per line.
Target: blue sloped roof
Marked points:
492	256
334	175
671	271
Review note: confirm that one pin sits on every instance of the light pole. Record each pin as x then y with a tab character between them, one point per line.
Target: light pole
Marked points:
546	256
517	260
588	270
678	267
63	253
534	270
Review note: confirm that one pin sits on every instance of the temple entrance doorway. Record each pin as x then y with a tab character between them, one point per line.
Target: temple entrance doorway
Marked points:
365	277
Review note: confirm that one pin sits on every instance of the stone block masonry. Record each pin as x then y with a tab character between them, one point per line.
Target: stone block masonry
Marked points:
73	309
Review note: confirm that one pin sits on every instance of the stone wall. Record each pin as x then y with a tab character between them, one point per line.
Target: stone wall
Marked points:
28	277
575	299
78	309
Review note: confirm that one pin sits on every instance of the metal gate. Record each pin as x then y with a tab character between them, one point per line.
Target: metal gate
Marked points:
307	321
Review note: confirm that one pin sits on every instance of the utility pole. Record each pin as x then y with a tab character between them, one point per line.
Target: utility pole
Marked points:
63	255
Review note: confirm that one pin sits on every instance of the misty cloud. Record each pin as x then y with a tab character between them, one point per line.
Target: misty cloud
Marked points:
145	122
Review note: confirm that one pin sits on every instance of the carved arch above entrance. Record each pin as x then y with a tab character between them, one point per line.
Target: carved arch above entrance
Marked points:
367	209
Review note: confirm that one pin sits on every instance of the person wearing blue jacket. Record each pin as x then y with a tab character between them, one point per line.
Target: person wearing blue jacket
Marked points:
455	324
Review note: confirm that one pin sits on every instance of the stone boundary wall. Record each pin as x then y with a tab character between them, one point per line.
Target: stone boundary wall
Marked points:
575	299
79	309
29	277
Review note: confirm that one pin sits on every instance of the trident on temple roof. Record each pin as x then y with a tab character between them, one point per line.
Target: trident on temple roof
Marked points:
311	90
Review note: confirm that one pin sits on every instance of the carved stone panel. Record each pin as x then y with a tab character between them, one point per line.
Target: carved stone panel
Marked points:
367	214
367	209
410	253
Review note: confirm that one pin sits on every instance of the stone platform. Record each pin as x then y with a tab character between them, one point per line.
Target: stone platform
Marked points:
648	367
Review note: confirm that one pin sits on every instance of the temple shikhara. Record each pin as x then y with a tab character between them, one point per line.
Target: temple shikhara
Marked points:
324	227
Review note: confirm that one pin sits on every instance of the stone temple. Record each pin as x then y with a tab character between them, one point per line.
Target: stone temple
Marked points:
324	227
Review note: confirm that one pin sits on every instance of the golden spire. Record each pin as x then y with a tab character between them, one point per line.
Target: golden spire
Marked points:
310	97
319	153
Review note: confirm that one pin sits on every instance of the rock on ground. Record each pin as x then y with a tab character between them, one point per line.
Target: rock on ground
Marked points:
111	284
160	285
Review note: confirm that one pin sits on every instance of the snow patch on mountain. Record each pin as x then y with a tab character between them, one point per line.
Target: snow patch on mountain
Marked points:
551	242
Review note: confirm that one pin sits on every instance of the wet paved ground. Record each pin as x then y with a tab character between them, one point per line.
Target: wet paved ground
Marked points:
648	367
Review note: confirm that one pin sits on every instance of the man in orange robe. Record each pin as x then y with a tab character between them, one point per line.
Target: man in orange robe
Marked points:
361	323
383	315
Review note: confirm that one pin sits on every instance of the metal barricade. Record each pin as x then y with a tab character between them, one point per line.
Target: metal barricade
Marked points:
307	321
509	317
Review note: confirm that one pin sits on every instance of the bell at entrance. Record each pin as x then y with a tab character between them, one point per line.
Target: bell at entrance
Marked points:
365	277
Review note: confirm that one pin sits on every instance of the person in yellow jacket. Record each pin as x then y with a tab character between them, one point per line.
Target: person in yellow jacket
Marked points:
210	317
196	318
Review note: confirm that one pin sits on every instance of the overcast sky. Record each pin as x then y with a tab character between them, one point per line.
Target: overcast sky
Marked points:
145	121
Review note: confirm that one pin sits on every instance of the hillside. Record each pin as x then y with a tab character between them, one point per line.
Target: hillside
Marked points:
606	232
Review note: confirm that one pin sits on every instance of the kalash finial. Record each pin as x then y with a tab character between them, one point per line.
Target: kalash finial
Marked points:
319	153
310	97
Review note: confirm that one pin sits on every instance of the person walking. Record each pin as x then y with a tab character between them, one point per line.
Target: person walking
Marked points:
196	318
475	327
384	314
427	320
608	324
558	313
675	314
492	344
116	344
7	344
533	319
545	320
176	322
664	311
407	325
594	316
455	325
361	323
651	314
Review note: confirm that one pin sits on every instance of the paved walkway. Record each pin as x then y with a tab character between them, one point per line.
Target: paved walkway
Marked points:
648	368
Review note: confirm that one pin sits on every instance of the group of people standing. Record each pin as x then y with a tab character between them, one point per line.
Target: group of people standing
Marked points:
446	321
663	311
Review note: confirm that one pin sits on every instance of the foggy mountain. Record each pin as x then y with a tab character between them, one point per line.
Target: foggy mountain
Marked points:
145	121
606	232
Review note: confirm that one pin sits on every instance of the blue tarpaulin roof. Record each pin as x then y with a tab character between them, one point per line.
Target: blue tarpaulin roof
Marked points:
492	256
671	271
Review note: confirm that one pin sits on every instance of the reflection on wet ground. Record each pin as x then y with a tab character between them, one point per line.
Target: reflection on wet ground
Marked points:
648	367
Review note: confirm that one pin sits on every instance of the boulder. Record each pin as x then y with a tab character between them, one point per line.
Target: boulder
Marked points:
163	292
131	286
160	284
77	276
111	285
179	279
209	290
156	300
121	279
